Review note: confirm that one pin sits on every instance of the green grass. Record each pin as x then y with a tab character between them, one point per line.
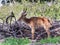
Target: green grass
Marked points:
25	41
36	9
54	40
14	41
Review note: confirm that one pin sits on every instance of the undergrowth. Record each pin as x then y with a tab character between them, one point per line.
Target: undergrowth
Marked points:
15	41
53	40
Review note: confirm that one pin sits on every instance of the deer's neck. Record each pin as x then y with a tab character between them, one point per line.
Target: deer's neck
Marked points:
23	18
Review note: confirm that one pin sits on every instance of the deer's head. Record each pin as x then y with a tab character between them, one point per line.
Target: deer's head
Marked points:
24	13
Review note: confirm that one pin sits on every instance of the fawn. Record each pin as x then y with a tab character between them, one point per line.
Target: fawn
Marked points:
34	22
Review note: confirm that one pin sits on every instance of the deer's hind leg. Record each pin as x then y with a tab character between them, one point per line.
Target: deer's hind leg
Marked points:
47	31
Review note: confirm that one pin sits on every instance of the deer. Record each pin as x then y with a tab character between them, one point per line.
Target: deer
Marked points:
34	22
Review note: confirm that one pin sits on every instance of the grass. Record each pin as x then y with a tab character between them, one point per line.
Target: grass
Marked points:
25	41
33	9
53	40
14	41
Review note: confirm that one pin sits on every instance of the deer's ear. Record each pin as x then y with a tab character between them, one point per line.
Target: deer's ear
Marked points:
24	13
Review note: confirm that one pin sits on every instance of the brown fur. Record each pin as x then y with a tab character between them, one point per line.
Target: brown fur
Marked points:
34	22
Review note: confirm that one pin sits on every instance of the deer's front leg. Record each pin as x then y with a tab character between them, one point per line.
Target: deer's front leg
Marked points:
33	31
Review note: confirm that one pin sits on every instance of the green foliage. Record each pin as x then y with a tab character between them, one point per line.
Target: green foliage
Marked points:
33	9
24	41
54	40
14	41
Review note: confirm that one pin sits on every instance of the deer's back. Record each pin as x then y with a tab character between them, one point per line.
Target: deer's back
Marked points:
38	21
